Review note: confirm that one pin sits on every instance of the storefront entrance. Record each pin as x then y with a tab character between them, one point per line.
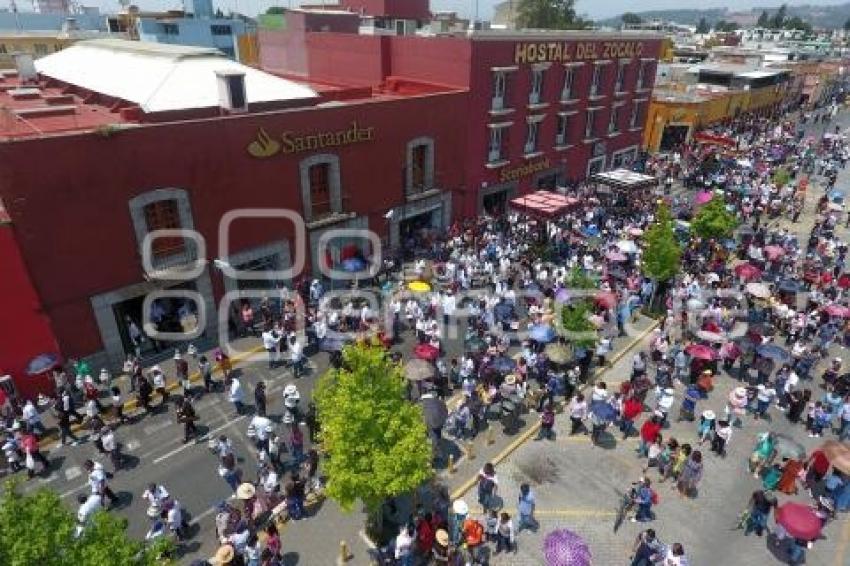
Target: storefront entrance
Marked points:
595	165
674	135
417	232
495	204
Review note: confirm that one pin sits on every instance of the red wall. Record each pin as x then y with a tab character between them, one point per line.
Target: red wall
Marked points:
75	249
26	331
489	54
401	9
441	60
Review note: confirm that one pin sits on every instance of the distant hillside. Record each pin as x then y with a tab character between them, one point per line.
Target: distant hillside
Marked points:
830	17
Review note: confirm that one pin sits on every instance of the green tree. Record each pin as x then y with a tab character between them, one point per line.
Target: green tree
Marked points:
273	10
579	279
713	220
847	24
764	20
575	326
781	177
796	22
778	19
702	26
631	18
661	251
724	26
376	440
38	529
549	14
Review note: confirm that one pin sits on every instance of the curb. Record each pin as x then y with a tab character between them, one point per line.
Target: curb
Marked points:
131	404
508	450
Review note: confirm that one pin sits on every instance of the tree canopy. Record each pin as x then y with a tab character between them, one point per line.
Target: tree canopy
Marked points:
764	19
702	26
847	24
713	220
575	326
376	440
38	529
549	14
661	250
276	10
725	26
631	18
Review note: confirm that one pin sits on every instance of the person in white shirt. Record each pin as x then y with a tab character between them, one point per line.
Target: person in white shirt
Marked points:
262	429
32	418
236	395
271	340
89	505
404	545
296	355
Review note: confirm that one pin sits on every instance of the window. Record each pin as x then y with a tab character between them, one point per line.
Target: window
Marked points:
40	48
633	121
597	78
641	71
621	75
164	215
500	84
57	47
589	126
569	76
562	133
420	166
320	190
3	49
531	138
218	29
170	29
613	121
534	94
498	141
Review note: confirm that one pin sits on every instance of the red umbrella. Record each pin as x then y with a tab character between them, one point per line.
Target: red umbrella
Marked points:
799	520
747	271
844	281
837	310
773	252
426	352
701	352
606	300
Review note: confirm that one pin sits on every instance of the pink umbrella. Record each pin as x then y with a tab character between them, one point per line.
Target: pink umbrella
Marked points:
747	271
426	352
837	310
773	252
615	256
799	520
703	197
701	352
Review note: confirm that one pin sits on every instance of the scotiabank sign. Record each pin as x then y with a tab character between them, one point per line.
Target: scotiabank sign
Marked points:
559	51
266	145
515	173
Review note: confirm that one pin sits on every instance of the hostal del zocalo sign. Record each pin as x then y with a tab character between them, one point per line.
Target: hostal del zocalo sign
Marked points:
559	51
291	142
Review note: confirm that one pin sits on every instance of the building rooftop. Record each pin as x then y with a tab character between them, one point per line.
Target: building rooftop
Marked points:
160	77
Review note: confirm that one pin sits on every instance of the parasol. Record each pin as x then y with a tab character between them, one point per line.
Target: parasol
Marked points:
787	447
475	345
419	287
635	232
557	353
542	333
503	364
799	520
844	281
419	370
758	290
773	352
565	548
562	296
773	252
838	454
606	300
503	311
703	197
789	286
701	352
837	310
434	411
615	256
747	271
713	337
426	352
353	265
627	246
42	363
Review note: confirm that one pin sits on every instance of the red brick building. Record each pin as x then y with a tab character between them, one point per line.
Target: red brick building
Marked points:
112	141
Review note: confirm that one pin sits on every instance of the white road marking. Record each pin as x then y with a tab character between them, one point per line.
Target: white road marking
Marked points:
50	478
196	519
73	472
132	444
201	440
150	429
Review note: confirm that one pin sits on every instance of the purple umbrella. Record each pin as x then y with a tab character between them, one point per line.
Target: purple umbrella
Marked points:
562	296
565	548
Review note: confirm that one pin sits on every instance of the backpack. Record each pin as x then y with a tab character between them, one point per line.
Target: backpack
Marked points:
485	485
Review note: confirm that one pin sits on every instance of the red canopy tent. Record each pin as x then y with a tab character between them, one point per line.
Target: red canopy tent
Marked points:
543	204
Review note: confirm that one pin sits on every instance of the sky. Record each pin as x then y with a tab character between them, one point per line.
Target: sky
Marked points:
592	8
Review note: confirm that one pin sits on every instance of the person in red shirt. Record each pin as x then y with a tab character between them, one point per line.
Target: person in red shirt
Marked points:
816	468
425	535
648	432
29	444
632	407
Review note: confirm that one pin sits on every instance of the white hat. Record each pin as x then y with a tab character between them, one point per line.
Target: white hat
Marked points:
669	391
459	507
740	392
290	389
708	415
245	491
176	354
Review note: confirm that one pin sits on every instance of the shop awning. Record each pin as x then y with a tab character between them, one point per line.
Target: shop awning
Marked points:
715	140
624	179
543	204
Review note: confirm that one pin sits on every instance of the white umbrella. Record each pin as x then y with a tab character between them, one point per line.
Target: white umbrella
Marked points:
758	290
627	246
